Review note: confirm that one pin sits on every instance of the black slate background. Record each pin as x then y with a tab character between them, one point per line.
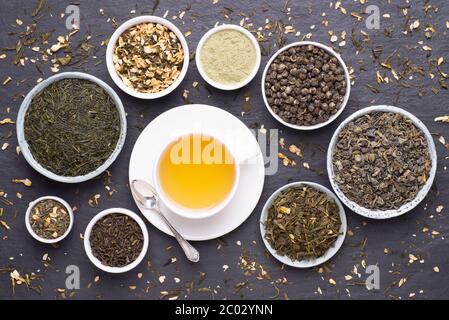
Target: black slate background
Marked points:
402	236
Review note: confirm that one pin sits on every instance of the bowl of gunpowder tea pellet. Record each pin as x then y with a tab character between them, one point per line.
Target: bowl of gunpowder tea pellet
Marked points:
228	57
49	219
116	240
381	162
147	57
305	85
71	127
303	224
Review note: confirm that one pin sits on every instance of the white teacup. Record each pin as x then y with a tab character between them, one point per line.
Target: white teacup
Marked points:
194	213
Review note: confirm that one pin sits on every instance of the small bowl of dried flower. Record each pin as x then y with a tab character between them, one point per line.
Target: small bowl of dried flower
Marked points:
147	57
303	224
49	219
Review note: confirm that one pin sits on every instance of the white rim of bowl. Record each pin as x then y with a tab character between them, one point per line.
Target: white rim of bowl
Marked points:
345	99
30	229
189	213
382	214
111	46
203	73
331	252
23	144
97	262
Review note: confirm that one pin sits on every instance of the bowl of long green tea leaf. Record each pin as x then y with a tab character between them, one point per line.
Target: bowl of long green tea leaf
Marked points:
303	224
116	240
71	127
49	219
381	162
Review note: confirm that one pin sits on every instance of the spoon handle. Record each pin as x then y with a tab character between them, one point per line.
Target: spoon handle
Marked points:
191	253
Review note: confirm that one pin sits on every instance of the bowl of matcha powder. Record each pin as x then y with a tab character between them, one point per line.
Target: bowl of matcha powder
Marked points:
228	57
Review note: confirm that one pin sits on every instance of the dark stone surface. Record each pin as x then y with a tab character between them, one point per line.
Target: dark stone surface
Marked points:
402	236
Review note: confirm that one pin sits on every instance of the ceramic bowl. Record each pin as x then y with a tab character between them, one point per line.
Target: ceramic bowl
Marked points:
24	147
97	262
111	46
312	262
203	72
382	214
346	97
30	229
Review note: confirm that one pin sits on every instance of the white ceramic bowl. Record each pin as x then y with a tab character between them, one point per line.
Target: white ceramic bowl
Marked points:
312	262
97	262
382	214
111	46
203	72
191	213
24	144
30	229
343	104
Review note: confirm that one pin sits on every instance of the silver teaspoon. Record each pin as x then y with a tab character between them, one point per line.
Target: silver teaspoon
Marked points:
148	199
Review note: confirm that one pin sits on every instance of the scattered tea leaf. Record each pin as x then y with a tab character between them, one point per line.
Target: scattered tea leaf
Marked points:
27	182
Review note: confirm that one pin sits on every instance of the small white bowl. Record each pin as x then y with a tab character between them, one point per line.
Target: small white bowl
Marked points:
347	79
24	144
110	51
382	214
312	262
30	229
203	72
97	262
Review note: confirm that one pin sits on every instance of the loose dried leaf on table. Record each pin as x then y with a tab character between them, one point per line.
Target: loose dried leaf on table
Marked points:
442	119
39	5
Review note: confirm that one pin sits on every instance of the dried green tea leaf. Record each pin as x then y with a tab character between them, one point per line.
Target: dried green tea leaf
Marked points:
65	60
302	223
39	5
381	160
72	127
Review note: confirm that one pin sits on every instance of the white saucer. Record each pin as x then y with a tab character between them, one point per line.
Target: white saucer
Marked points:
204	118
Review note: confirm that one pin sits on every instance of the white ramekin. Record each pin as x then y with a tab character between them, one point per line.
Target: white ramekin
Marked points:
24	144
97	262
221	85
330	252
30	229
382	214
110	51
345	99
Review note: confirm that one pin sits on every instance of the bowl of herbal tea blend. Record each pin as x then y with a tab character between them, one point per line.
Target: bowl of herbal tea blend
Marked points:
303	224
147	57
49	219
381	162
71	127
305	85
116	240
